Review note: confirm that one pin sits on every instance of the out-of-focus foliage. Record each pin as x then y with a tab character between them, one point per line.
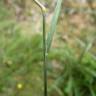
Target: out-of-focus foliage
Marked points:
71	60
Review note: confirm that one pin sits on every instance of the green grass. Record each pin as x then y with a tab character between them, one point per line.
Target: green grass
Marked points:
71	71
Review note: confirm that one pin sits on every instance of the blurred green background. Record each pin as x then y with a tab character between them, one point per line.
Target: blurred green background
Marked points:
71	61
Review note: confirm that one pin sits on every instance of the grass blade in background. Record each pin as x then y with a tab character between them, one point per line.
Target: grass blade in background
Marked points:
86	49
53	24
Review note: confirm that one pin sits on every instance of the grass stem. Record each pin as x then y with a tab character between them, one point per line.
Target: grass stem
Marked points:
45	55
43	9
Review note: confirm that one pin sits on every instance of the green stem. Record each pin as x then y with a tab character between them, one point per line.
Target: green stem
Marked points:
45	55
43	9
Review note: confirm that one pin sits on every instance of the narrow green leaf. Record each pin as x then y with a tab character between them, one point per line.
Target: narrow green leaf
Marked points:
90	71
76	90
82	45
69	86
53	24
86	49
92	91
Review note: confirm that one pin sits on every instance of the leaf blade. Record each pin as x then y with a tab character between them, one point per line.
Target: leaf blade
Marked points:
53	24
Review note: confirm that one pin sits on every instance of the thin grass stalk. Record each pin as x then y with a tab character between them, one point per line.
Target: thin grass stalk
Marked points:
45	55
43	9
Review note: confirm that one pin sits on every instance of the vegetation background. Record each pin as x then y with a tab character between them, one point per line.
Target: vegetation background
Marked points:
71	60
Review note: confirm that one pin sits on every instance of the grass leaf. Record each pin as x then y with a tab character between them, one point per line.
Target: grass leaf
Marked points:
53	24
